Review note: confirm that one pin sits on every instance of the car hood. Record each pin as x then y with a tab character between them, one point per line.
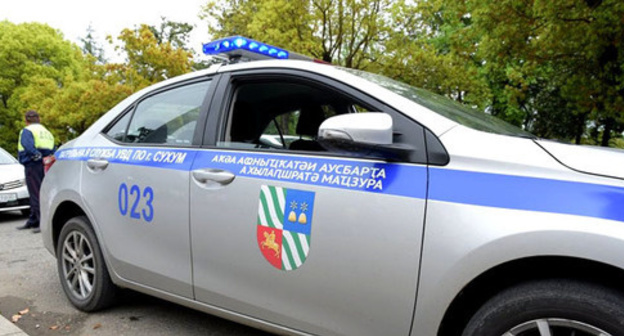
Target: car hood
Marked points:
11	172
587	159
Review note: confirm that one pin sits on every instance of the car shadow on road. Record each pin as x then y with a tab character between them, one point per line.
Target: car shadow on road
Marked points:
10	216
134	309
133	314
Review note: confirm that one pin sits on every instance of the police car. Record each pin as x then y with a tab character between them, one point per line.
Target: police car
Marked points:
308	199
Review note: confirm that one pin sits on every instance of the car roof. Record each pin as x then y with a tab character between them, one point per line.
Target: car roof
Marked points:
431	120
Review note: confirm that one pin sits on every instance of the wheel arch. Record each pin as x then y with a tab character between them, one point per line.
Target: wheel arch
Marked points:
65	211
72	207
514	272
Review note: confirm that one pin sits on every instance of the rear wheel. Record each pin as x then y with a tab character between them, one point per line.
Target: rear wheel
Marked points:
81	267
551	308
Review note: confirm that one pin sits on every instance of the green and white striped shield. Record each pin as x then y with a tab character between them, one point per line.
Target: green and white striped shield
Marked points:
284	226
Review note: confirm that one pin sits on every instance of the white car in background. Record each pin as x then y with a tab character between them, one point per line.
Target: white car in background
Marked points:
13	192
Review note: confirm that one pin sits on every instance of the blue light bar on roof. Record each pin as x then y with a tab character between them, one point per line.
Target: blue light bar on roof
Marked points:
230	45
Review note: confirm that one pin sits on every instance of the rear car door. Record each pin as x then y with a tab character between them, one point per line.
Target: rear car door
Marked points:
136	186
287	232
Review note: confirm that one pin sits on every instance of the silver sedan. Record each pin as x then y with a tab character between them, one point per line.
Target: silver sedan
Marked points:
308	199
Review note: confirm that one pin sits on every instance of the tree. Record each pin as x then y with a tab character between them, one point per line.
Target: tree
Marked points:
30	53
91	47
344	32
71	89
570	48
151	59
70	110
174	33
419	51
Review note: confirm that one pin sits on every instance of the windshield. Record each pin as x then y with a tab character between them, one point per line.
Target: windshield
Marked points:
6	158
444	106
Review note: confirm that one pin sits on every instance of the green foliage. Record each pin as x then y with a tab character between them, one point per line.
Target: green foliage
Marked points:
344	32
551	67
551	61
174	33
71	110
30	54
419	52
153	60
71	89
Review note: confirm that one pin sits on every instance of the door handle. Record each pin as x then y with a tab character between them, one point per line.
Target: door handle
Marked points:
97	164
219	176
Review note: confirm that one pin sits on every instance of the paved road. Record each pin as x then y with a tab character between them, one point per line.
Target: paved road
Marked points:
28	279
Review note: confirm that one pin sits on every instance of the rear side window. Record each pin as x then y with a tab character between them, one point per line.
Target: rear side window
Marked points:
168	117
118	130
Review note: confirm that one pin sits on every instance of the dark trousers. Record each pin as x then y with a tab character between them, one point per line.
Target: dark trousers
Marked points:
34	176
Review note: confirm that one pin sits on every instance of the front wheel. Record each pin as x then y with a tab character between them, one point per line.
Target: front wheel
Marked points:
81	267
551	308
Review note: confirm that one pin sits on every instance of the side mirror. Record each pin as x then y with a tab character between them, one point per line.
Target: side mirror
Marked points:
363	135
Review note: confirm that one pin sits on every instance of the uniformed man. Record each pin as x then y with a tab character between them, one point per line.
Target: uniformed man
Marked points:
35	143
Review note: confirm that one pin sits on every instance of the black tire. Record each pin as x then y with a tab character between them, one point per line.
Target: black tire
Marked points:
81	267
25	212
565	307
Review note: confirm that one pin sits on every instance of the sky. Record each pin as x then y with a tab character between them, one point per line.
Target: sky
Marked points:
73	17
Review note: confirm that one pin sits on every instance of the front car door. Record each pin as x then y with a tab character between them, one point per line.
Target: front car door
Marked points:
136	186
287	232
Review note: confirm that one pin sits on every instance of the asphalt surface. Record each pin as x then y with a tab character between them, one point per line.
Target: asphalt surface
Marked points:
29	284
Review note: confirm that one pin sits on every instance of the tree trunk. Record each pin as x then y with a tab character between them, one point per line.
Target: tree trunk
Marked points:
327	57
285	120
580	128
606	135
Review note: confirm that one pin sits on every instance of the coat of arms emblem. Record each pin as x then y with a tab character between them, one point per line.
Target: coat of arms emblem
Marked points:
284	226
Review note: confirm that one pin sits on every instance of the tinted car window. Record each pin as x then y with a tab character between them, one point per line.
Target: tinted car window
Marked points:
282	115
167	117
118	130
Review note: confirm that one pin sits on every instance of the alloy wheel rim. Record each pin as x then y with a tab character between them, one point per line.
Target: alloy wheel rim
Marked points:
555	327
78	265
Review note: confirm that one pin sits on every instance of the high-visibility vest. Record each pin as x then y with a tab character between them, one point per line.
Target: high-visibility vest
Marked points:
43	138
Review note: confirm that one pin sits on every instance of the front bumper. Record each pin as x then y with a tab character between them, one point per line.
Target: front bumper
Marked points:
20	203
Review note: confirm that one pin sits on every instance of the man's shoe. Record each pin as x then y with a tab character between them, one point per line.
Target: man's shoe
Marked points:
24	227
36	230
